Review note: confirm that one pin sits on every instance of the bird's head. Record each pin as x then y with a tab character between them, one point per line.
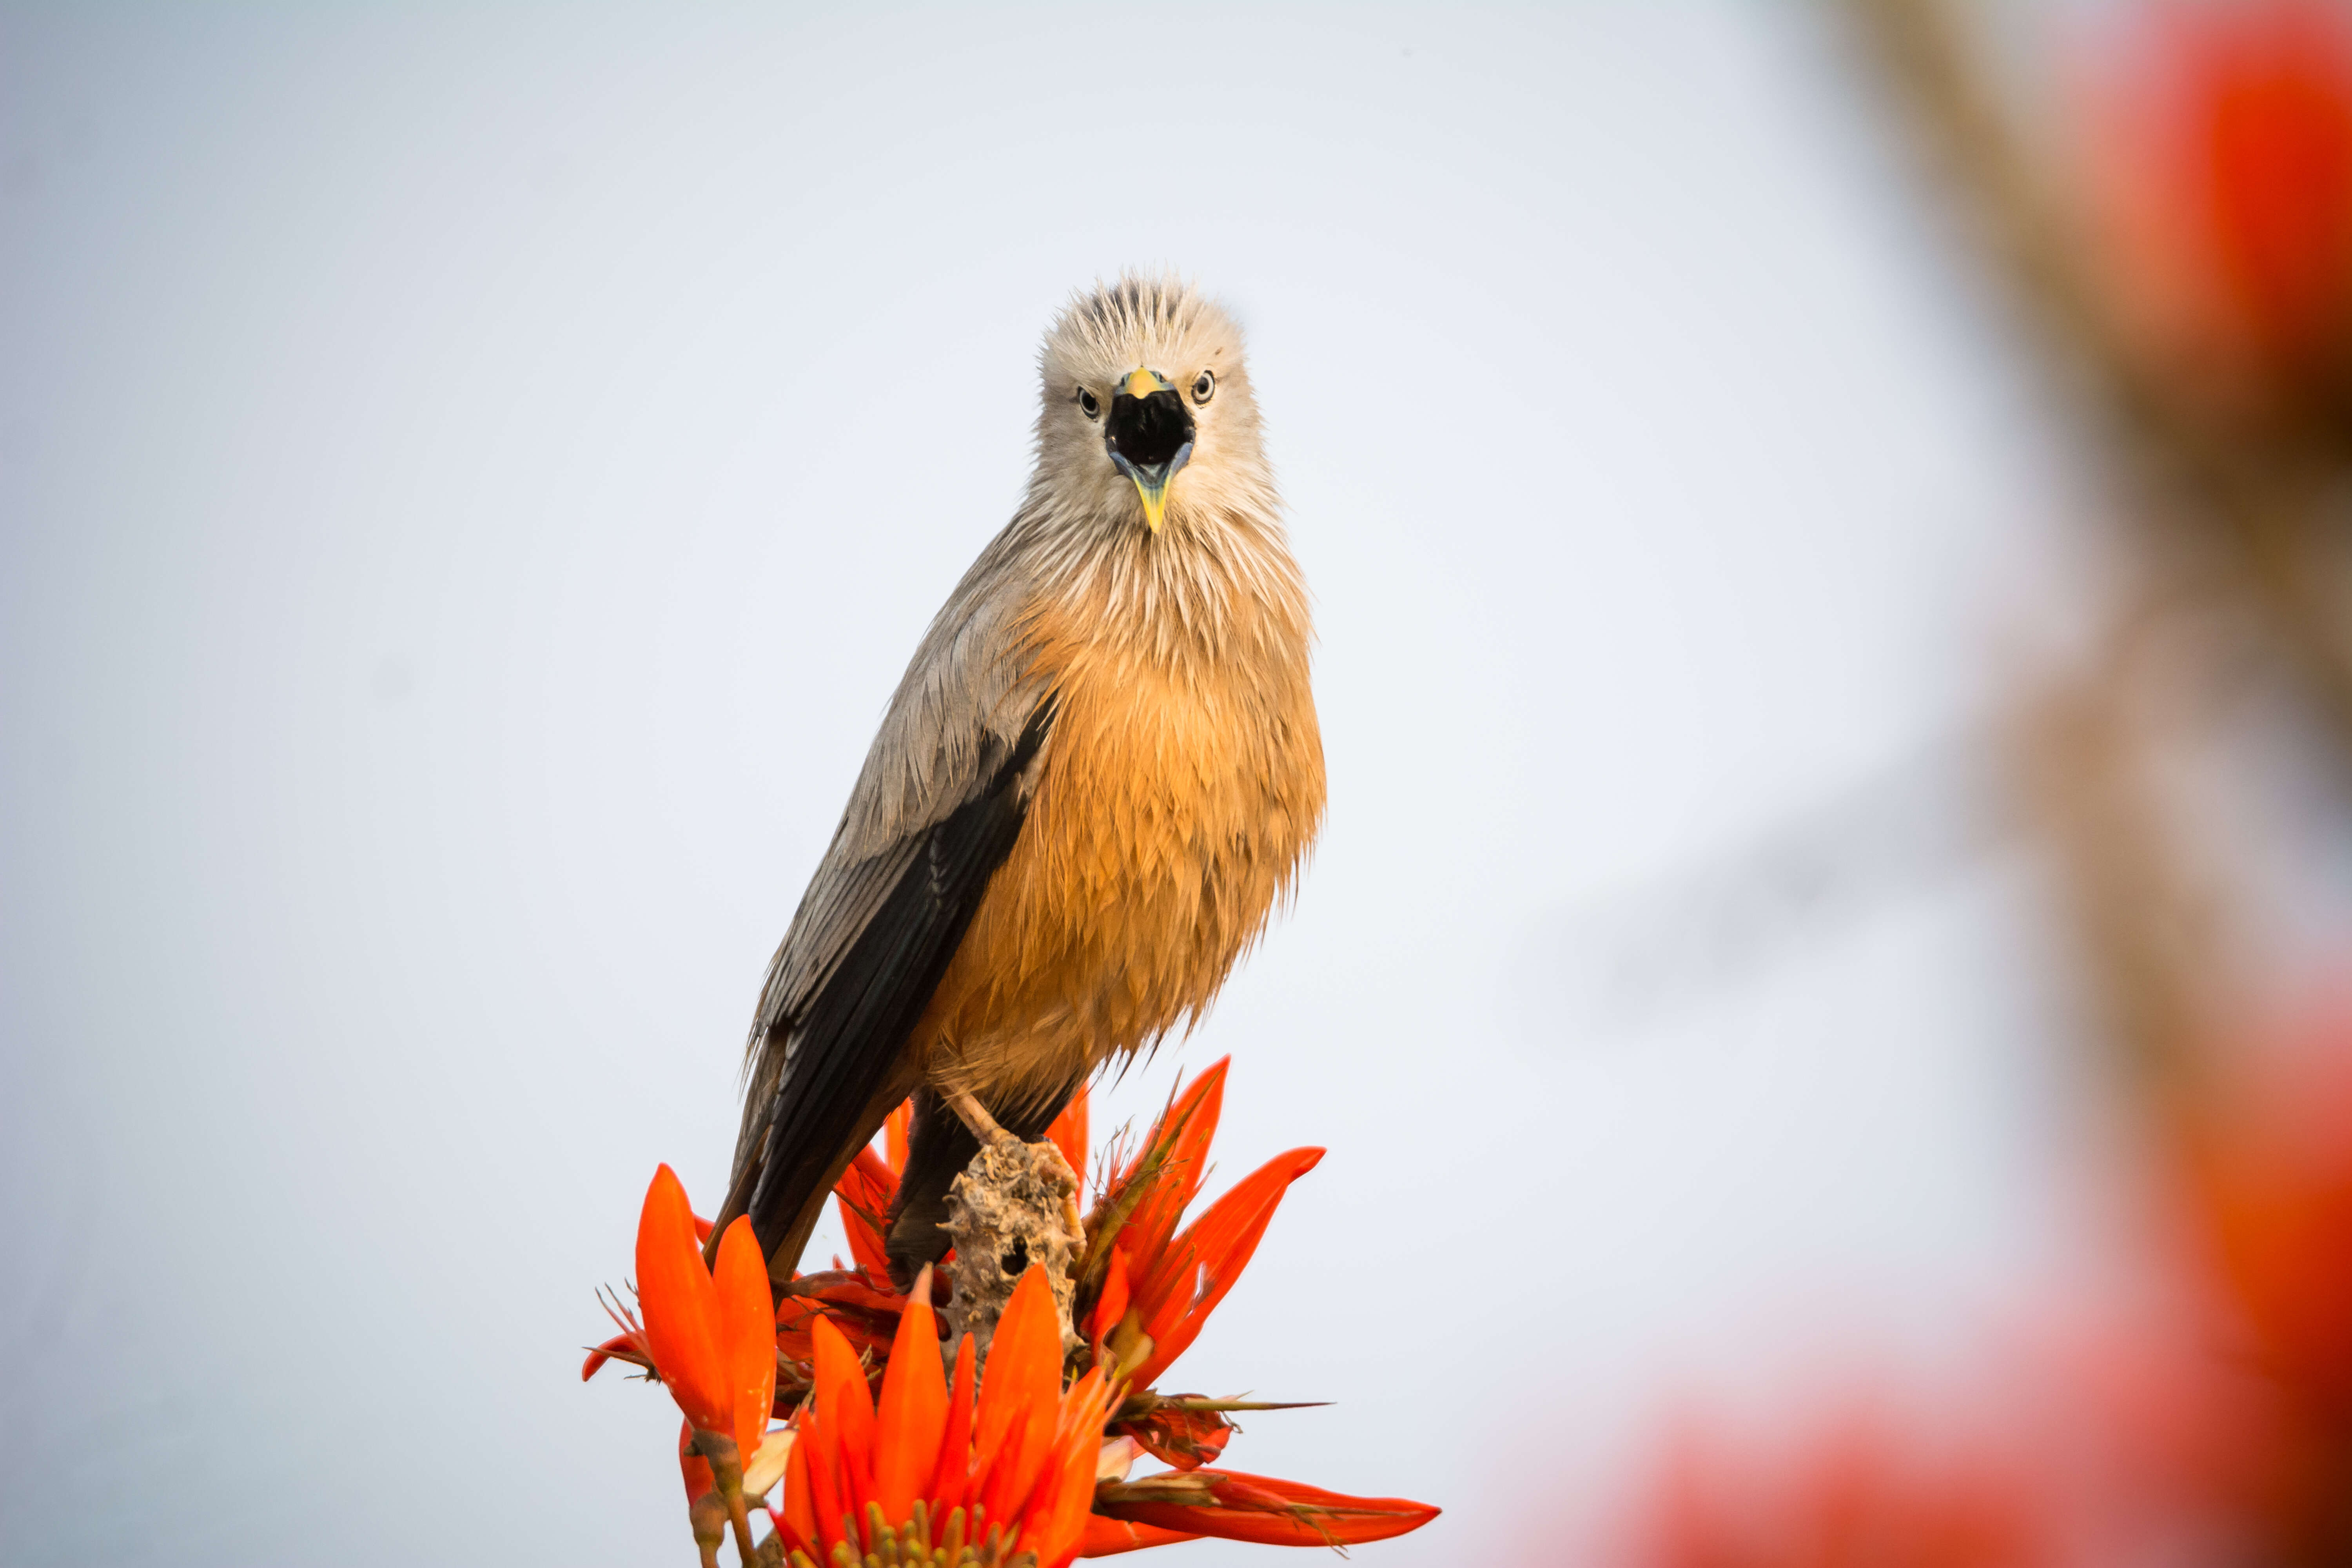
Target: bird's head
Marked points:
1147	416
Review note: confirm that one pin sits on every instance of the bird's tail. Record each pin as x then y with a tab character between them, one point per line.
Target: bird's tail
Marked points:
783	1181
782	1245
790	1213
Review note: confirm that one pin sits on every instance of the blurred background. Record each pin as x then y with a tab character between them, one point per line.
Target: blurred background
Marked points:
1827	524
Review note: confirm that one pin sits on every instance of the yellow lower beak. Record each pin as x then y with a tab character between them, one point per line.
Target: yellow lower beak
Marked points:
1153	481
1155	498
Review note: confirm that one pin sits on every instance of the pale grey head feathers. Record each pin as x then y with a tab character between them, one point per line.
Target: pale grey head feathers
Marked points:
1147	399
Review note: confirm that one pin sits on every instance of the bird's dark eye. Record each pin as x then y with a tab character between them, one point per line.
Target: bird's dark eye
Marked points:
1204	388
1087	404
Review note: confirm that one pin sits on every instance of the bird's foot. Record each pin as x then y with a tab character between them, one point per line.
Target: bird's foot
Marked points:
975	1116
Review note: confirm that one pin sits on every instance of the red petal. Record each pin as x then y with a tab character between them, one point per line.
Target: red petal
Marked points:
831	1496
1111	1305
845	1407
799	1513
950	1482
1109	1537
895	1133
1279	1513
1221	1243
1184	1438
746	1327
863	1196
1162	1306
1054	1525
1020	1397
603	1354
1069	1135
913	1416
1182	1134
693	1468
681	1306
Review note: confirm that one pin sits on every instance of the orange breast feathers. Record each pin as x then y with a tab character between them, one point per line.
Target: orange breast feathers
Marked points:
1174	801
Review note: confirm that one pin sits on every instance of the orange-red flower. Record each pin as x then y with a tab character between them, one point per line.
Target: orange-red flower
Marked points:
1006	1467
1011	1471
2225	171
1145	1288
709	1335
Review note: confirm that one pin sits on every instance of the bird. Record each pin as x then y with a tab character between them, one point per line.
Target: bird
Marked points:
1100	776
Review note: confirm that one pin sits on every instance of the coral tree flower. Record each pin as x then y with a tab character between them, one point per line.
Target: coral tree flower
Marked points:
993	1470
995	1493
1011	1468
708	1333
861	1300
1145	1288
2224	164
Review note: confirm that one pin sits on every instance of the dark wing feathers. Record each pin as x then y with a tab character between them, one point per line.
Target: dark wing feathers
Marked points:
835	906
843	1035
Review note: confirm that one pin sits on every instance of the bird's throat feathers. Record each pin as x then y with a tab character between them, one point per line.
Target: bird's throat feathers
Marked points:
1222	589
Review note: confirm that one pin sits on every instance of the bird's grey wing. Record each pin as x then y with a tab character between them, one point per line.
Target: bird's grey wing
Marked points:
935	810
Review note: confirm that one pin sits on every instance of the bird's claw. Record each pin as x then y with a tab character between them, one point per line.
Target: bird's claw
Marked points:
974	1115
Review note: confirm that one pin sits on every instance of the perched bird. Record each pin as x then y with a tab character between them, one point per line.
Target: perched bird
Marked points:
1100	773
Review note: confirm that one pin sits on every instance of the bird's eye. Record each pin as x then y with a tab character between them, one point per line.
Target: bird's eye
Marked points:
1204	388
1087	404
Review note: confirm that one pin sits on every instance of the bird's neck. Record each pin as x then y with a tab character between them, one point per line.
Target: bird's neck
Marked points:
1212	588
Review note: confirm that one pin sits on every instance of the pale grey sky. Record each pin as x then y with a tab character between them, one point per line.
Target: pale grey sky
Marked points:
468	482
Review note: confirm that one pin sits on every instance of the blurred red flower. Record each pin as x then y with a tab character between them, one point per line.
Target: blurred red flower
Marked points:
2223	169
2266	1162
1859	1495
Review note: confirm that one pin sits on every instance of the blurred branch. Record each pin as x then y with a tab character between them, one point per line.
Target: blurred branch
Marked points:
1919	49
2084	748
2268	501
2240	519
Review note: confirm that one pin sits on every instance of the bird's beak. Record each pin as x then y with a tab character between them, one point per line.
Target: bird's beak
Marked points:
1150	436
1152	482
